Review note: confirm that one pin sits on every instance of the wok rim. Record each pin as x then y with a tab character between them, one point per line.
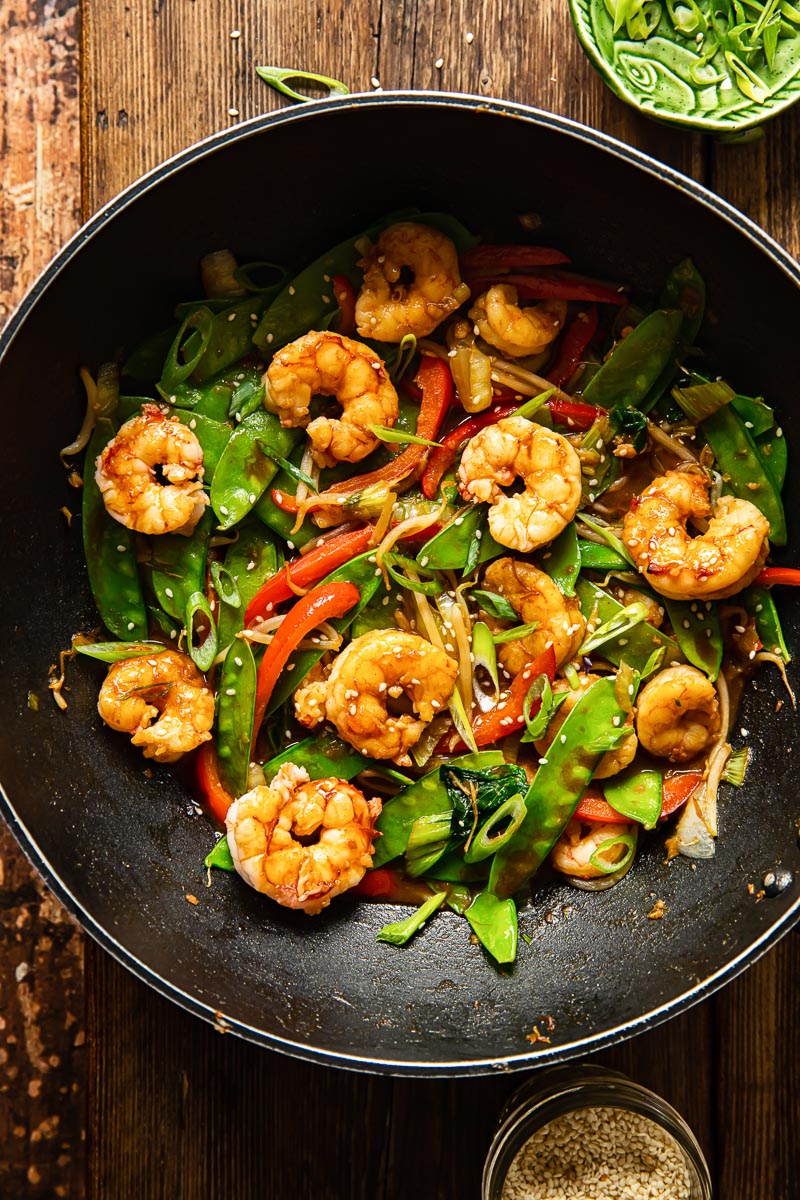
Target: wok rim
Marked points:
441	1068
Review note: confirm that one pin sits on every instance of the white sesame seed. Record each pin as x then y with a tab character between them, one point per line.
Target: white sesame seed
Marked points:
290	545
238	661
439	64
131	625
230	691
223	510
169	592
270	337
291	290
121	549
375	81
252	497
470	38
235	33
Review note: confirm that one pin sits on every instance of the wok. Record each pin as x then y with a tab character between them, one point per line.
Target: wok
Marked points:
122	849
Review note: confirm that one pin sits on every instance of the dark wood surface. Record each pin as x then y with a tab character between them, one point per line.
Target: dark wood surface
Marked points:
171	1108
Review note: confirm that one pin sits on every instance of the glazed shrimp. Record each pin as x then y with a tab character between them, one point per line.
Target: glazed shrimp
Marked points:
611	763
162	699
711	566
300	842
377	668
516	331
327	364
127	474
536	599
387	307
678	714
547	465
573	852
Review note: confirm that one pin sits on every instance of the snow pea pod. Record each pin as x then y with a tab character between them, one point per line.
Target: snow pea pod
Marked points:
322	756
449	549
745	473
635	364
601	558
636	794
282	522
775	455
698	632
244	468
250	562
426	797
146	363
236	699
595	726
760	605
684	290
230	338
562	562
110	551
215	397
179	566
494	923
755	414
634	647
378	614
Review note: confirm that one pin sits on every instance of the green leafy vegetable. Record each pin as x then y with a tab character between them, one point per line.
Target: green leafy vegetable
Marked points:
494	923
398	933
495	605
220	856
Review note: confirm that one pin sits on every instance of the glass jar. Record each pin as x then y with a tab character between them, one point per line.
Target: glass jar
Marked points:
553	1093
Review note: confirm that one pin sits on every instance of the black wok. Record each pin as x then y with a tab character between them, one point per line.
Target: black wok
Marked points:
122	850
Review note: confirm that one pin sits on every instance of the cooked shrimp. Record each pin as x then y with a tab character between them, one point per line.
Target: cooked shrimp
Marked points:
382	666
309	699
146	449
613	761
300	842
711	566
327	364
580	841
162	699
537	599
516	331
547	465
677	714
388	308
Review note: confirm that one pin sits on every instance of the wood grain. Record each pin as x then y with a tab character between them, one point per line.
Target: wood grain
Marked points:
42	1052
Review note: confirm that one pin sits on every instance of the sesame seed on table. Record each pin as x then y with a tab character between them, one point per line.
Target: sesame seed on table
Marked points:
168	1107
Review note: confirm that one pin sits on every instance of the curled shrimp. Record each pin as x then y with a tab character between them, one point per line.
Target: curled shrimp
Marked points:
711	566
613	761
388	308
147	449
301	842
678	714
550	469
513	330
580	842
328	364
537	600
376	669
162	699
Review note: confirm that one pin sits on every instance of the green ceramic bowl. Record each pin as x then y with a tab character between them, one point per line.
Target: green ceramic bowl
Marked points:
668	61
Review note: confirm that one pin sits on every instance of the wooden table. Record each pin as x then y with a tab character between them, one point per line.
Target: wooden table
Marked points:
106	1090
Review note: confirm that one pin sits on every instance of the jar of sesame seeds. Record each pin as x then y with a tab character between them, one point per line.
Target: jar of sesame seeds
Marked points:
587	1133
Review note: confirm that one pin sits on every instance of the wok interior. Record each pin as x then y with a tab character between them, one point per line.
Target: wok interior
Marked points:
127	847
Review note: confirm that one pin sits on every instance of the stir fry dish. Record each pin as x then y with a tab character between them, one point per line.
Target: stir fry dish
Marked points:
444	564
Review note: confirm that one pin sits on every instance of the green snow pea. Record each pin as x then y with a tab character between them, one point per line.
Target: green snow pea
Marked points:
633	367
698	632
745	472
178	365
377	614
423	798
111	652
244	469
760	605
146	363
684	290
236	700
179	566
595	726
220	856
601	558
398	932
451	868
110	552
775	455
250	562
634	647
246	398
215	395
494	923
562	562
637	794
230	338
322	756
449	549
756	416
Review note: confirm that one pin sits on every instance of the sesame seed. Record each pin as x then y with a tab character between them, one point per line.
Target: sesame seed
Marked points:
270	337
423	562
439	64
290	545
375	81
223	510
291	290
470	38
169	592
251	566
193	423
235	33
253	316
563	739
173	633
121	549
232	112
131	625
238	662
230	691
252	497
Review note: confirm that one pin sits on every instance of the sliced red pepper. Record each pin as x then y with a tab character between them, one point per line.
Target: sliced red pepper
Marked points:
385	883
285	501
676	791
552	285
346	299
444	457
510	258
211	787
574	414
507	716
327	601
306	570
594	808
788	576
572	347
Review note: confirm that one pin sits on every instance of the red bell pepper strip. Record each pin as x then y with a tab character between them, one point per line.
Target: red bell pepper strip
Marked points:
507	716
327	601
676	791
574	414
285	501
346	299
211	787
306	570
552	285
444	457
510	258
572	347
789	576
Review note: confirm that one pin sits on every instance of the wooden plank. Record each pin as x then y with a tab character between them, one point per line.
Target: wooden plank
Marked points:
42	1051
